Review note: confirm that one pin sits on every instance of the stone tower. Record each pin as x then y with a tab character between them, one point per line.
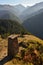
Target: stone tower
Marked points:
13	46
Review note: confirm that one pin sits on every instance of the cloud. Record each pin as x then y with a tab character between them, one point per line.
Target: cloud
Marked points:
23	2
27	2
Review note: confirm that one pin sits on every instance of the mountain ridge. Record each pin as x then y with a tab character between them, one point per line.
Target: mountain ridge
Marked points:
31	10
35	25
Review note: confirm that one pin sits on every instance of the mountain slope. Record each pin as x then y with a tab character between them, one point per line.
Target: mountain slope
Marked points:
10	27
8	7
9	22
35	25
6	14
17	9
31	10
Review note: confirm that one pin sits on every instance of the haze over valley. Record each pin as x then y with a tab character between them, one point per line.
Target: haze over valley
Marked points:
31	17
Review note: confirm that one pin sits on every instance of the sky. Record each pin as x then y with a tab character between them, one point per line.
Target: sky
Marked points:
23	2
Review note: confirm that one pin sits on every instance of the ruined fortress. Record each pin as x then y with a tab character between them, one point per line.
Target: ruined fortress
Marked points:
13	46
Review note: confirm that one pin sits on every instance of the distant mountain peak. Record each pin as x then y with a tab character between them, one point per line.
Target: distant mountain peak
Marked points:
29	11
19	8
19	5
40	3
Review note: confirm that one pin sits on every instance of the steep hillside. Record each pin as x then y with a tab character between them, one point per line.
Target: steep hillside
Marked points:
9	8
6	14
35	25
9	22
28	12
10	27
17	9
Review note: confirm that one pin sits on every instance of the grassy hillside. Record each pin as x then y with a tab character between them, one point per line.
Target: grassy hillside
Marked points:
34	45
